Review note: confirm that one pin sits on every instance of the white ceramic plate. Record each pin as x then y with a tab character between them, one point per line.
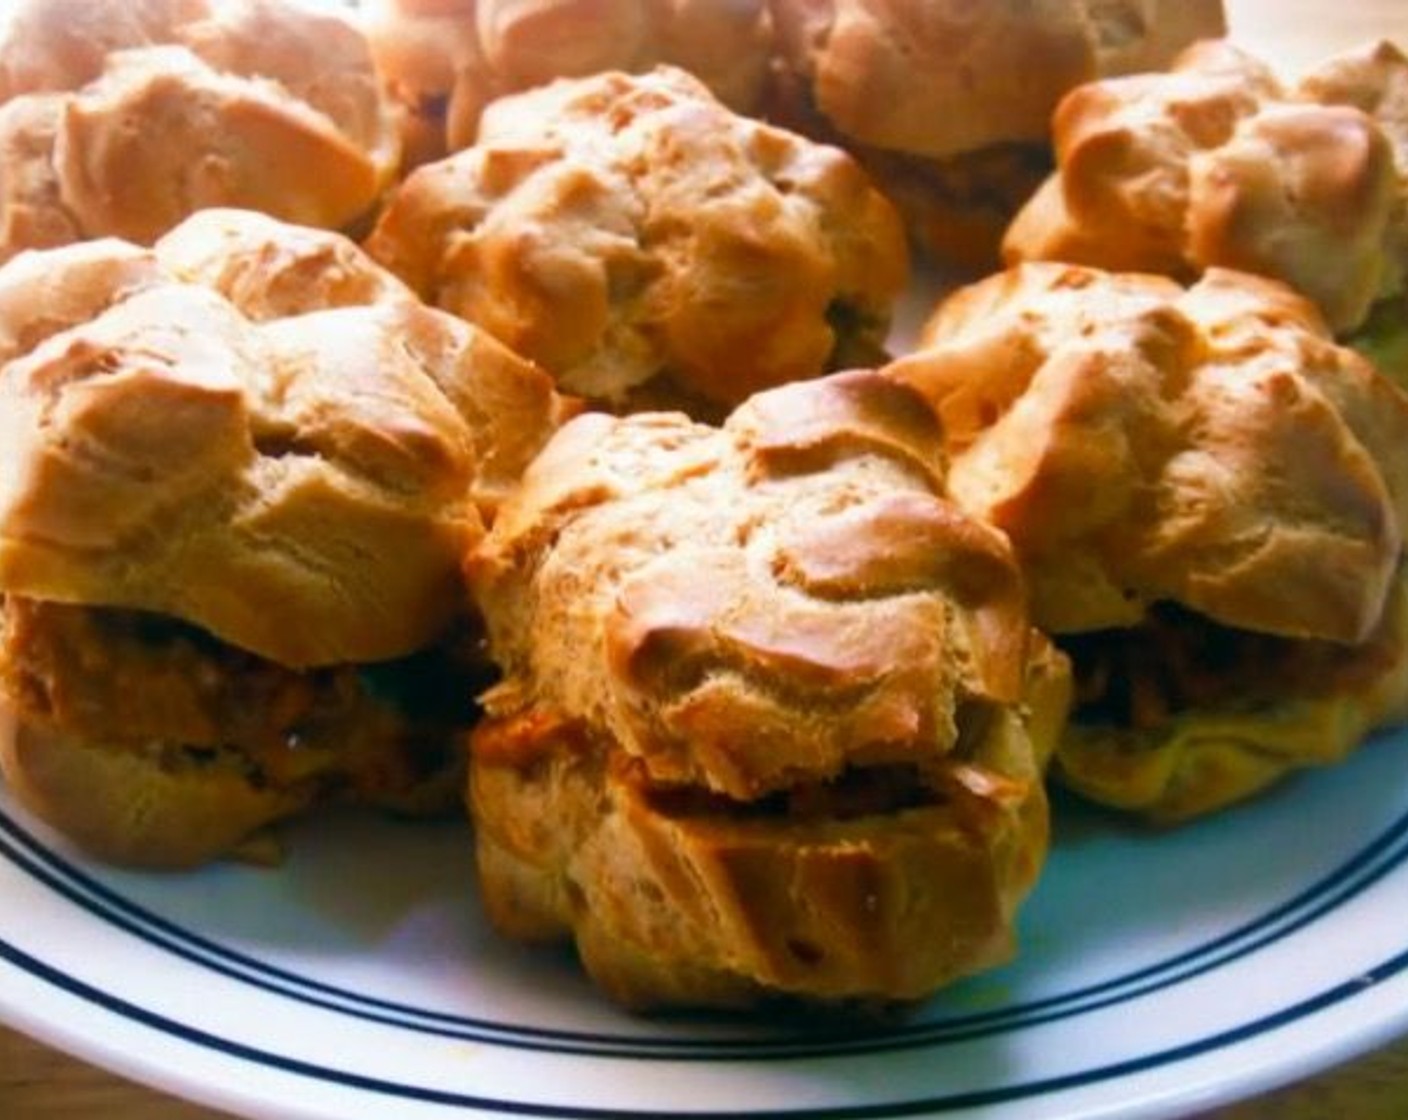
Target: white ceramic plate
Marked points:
1159	974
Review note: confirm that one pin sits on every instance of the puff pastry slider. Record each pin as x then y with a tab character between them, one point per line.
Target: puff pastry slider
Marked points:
773	720
232	520
649	247
949	102
121	117
1207	496
1219	163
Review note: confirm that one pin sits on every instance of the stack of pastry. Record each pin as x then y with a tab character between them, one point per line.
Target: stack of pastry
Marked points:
923	94
768	696
948	103
650	247
1207	495
1219	163
242	469
445	60
122	119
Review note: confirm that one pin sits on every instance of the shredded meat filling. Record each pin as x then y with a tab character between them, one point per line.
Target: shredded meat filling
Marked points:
1177	661
133	680
858	792
533	739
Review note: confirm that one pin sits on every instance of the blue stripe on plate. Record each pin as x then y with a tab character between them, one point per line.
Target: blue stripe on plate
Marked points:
921	1106
1377	858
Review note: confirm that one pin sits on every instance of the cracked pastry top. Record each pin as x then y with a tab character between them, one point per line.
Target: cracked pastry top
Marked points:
649	247
1207	495
1218	163
121	117
242	469
773	719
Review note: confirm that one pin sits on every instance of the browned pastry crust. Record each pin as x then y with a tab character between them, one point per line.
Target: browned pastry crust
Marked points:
272	270
300	488
649	247
947	77
1216	163
944	94
123	118
773	720
1210	452
219	437
448	59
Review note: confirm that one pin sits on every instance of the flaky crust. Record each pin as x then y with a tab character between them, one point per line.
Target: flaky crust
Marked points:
447	61
773	719
1216	163
648	246
948	104
271	269
1212	448
1141	442
937	79
301	487
131	116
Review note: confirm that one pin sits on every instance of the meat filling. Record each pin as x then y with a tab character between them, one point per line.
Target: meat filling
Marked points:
529	741
1177	661
382	734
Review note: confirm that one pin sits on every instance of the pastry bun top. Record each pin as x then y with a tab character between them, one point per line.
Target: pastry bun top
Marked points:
120	119
1219	163
1140	442
769	602
302	484
648	246
950	76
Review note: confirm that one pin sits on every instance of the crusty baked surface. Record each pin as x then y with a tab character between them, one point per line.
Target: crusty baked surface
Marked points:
948	104
1212	448
301	486
649	247
122	119
447	61
1218	163
1143	442
773	718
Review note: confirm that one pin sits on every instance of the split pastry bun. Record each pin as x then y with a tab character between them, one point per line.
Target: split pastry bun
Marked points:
1207	496
447	59
649	247
231	531
773	720
1217	163
949	102
121	117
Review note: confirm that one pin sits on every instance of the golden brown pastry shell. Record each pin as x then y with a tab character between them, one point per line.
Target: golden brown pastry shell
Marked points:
649	247
773	719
